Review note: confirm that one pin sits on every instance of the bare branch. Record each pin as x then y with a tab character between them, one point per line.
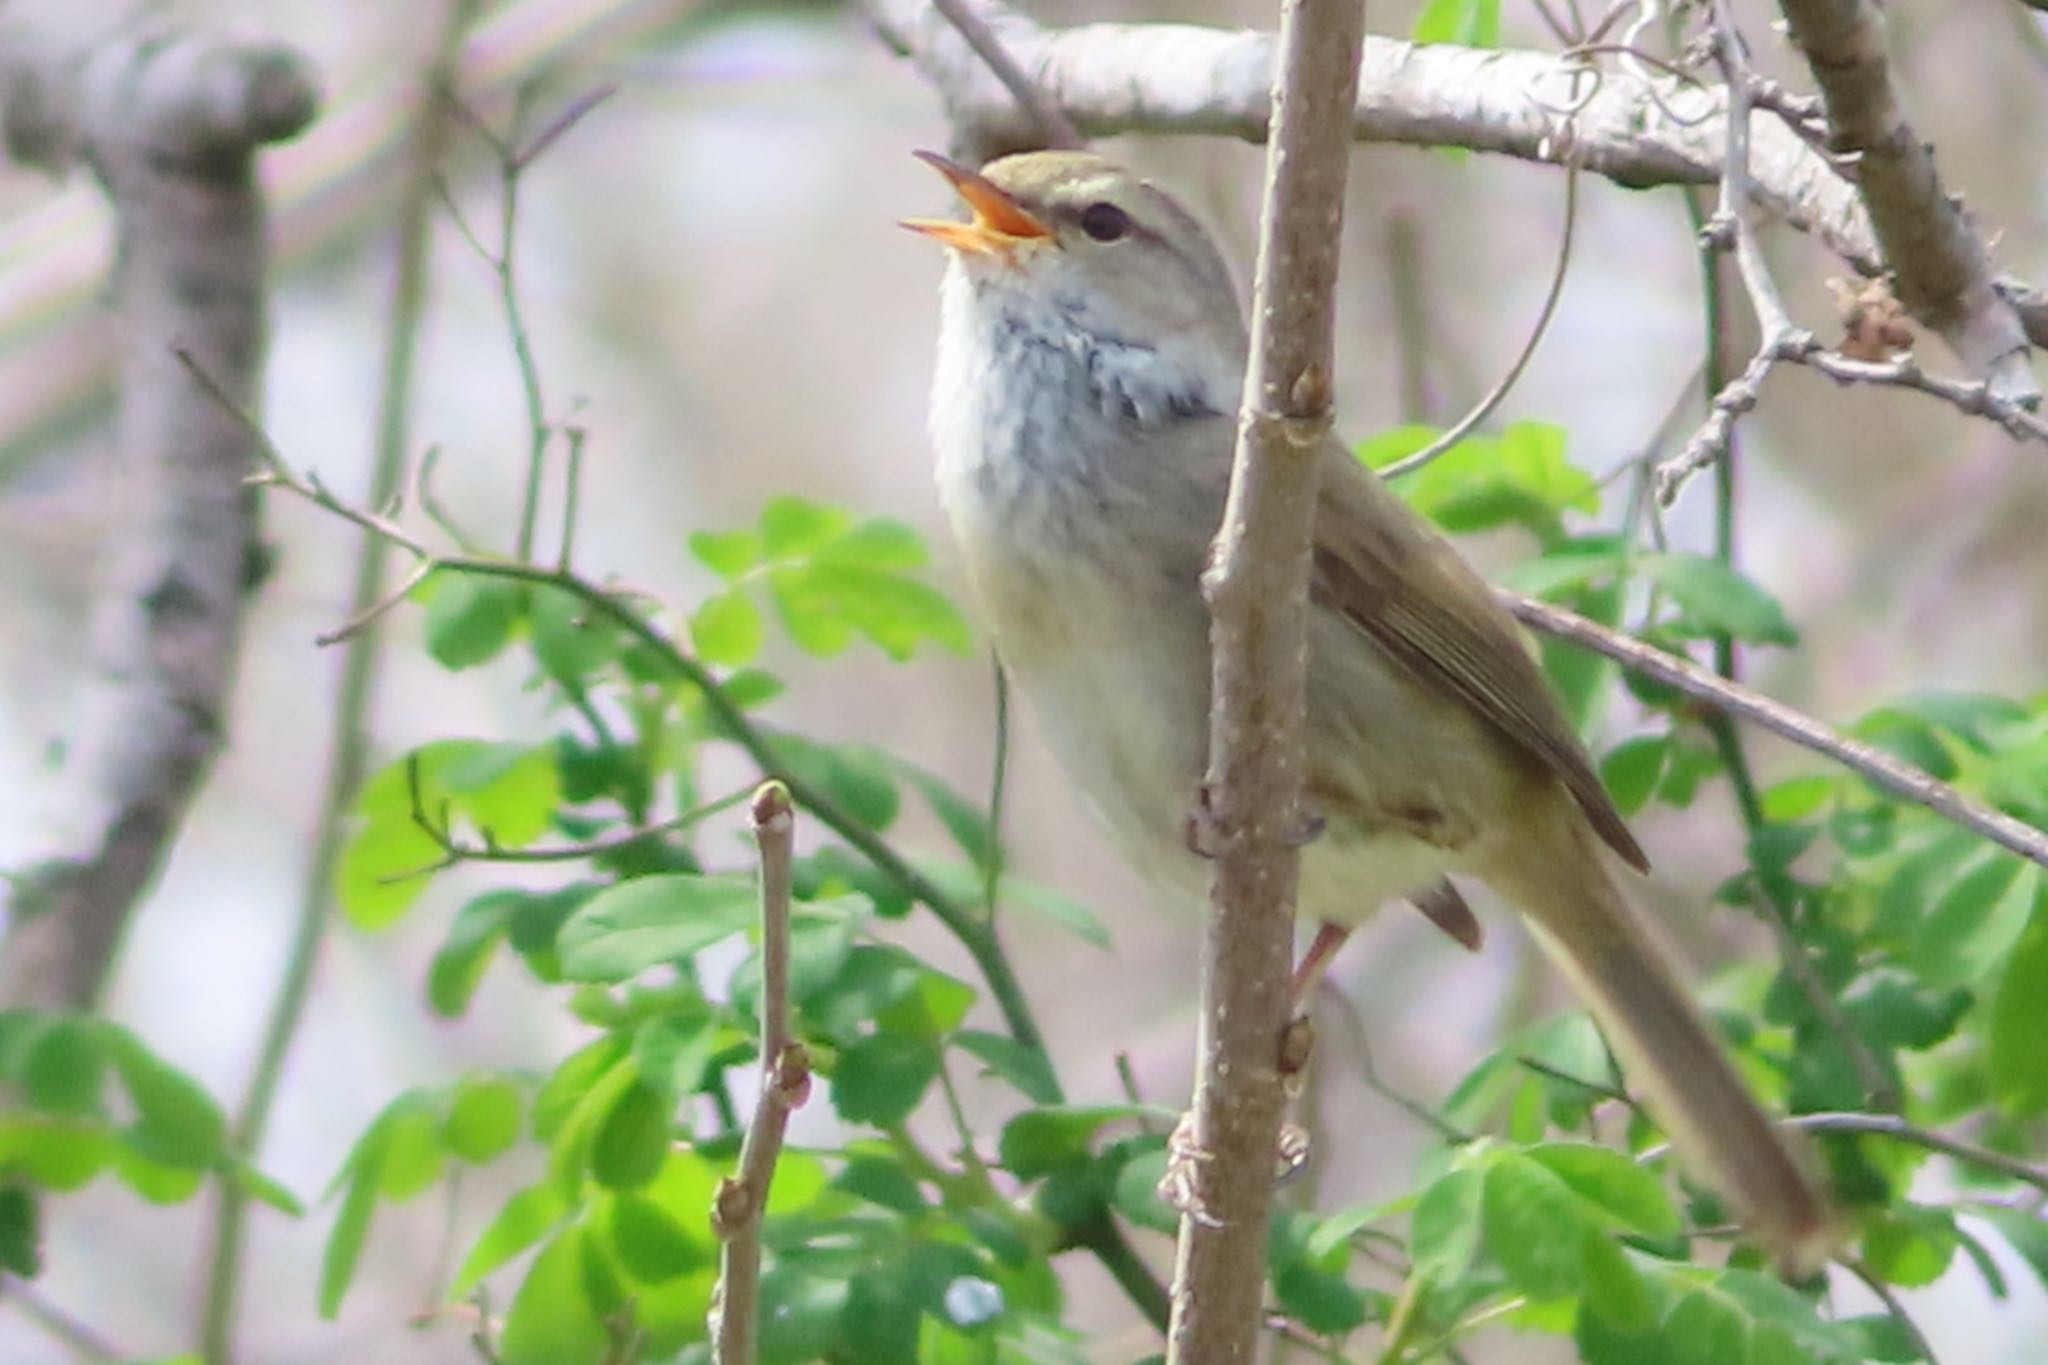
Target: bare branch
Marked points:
1900	778
1923	1350
1634	124
1896	1128
1054	129
170	128
1481	410
1182	78
785	1082
1942	270
1258	598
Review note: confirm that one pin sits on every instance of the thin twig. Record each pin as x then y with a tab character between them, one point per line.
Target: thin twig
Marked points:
1734	225
1053	124
1257	592
1896	776
785	1083
1700	684
455	851
1485	406
348	743
1941	269
80	1337
1899	1130
1924	1349
999	773
1879	1090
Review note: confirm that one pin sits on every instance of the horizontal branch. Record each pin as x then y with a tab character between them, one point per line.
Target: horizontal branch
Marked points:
1589	110
1895	775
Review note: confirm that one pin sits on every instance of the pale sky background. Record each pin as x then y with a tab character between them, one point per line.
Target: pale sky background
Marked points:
713	272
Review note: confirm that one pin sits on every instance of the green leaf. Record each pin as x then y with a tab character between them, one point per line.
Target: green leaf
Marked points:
521	1221
1798	798
382	871
882	1182
412	1157
1447	1227
1394	445
57	1154
1532	454
929	1012
632	926
632	1138
965	821
1534	1225
1911	1245
1025	1068
728	554
1633	768
2018	1029
1614	1288
263	1188
484	1117
965	885
1472	23
551	1320
64	1069
571	638
154	1180
793	527
1040	1141
1976	718
1976	923
21	1236
882	1078
344	1248
859	777
1704	1328
1629	1194
1909	737
879	1324
805	1324
471	618
1716	598
1319	1300
507	792
177	1123
651	1247
672	1052
459	963
727	629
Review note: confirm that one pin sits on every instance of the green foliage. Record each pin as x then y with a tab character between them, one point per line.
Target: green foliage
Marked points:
1473	23
1546	1208
89	1098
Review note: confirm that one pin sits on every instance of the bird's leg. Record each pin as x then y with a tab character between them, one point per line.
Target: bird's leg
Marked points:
1329	938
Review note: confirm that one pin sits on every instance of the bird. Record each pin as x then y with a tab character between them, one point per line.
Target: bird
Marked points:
1083	413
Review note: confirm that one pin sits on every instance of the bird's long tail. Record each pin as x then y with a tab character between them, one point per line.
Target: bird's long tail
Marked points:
1717	1127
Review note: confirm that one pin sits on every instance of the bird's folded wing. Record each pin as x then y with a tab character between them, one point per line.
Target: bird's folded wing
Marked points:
1379	567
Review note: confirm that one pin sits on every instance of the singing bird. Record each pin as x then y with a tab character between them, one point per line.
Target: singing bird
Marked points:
1091	355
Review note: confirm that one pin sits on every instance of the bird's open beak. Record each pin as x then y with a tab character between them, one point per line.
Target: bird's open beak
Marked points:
1000	222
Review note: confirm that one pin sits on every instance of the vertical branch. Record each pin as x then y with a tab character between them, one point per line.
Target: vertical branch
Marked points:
348	741
1257	589
1941	268
171	129
785	1082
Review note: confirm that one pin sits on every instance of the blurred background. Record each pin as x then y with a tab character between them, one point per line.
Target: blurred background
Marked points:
715	281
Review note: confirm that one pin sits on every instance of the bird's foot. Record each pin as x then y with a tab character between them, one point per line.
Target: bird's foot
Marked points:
1180	1187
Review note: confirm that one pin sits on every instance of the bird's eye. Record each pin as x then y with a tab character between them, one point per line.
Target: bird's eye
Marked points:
1105	222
